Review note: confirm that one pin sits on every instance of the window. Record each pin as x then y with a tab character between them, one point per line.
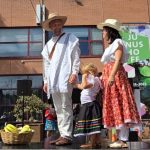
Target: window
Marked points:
28	42
8	86
21	42
10	82
90	39
8	91
96	42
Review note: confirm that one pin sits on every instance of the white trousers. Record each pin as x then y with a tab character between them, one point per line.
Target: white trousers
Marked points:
123	133
63	106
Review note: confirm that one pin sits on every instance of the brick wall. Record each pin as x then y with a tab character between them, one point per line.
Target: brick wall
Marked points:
21	13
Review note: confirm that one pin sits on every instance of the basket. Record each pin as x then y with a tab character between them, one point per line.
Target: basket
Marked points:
13	138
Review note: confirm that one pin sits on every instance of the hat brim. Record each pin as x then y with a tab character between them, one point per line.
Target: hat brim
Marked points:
45	24
100	26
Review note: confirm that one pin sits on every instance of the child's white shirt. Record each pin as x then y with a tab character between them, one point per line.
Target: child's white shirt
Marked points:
89	95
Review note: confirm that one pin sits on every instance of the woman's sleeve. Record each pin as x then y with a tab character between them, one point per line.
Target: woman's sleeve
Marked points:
125	51
116	44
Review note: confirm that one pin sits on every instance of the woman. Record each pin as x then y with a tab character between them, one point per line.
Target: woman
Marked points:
119	107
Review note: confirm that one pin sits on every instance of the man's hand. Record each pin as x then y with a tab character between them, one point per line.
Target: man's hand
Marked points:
72	79
45	87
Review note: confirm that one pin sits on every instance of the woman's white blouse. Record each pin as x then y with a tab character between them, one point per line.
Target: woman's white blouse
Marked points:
109	53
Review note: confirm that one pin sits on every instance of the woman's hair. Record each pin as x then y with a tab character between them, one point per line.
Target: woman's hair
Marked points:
89	68
112	34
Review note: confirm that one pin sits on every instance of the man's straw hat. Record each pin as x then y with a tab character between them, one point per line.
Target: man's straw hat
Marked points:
51	17
113	23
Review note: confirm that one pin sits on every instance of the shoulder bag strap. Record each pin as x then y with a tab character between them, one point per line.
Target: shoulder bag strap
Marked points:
52	51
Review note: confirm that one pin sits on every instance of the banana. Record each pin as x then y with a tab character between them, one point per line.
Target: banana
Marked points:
26	126
25	129
10	128
6	130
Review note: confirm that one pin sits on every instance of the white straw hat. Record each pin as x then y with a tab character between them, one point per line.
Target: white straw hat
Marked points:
113	23
51	17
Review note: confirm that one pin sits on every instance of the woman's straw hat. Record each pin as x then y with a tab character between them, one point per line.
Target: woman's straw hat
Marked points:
51	17
113	23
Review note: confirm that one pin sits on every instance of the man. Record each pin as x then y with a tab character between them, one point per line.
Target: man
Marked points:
61	67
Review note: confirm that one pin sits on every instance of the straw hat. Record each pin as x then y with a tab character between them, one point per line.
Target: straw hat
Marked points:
51	17
113	23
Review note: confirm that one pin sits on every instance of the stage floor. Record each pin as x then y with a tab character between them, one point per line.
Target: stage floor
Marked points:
142	145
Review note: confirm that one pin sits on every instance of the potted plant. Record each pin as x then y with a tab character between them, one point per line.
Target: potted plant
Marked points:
33	114
33	108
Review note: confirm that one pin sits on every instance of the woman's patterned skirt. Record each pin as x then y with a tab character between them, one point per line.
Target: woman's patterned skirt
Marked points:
119	107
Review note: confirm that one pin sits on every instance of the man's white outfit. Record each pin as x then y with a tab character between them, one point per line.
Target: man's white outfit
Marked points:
57	70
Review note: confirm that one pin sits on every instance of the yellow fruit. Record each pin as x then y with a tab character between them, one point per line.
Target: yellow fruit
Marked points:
10	128
6	130
25	129
26	126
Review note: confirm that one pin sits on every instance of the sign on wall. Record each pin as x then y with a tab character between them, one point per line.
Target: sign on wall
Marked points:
137	44
137	40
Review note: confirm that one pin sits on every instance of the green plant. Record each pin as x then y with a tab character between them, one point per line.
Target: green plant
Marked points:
33	108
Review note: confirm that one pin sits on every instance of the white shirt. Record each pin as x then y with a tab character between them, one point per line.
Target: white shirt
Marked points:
89	95
64	62
109	53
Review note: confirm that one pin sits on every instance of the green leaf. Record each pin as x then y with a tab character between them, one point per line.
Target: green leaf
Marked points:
146	81
145	71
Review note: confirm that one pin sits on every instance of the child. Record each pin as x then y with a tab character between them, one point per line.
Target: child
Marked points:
89	120
50	120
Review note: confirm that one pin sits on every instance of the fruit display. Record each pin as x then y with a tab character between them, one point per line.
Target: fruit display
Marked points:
16	135
10	128
13	129
25	129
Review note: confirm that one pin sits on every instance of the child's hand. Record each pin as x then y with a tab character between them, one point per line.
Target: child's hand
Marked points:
75	85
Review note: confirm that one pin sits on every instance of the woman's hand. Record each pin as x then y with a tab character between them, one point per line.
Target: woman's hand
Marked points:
111	80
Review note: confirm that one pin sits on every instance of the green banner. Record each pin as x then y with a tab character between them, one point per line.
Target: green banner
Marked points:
138	46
